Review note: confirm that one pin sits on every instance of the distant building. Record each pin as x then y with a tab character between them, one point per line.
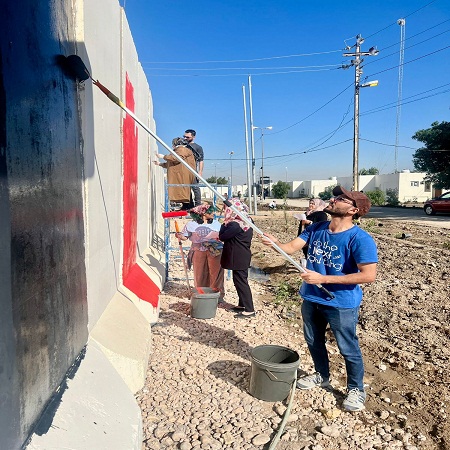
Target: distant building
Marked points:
411	186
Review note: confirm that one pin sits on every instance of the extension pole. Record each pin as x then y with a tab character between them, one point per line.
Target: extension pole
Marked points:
119	103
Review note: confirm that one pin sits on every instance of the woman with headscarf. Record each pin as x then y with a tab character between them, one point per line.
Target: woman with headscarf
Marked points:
236	255
177	173
313	214
206	249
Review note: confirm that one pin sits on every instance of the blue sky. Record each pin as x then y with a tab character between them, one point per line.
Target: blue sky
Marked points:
304	98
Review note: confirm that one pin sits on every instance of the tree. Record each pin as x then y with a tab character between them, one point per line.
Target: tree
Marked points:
218	180
280	189
371	171
434	158
327	193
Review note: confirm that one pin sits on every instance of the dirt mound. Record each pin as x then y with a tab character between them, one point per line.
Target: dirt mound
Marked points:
405	320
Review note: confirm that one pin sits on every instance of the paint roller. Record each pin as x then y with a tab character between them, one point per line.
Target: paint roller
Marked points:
76	66
174	214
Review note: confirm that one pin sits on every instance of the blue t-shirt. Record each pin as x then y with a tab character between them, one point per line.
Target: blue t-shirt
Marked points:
336	254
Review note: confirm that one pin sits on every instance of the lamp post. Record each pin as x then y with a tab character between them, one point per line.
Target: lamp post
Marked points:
358	71
215	170
231	170
262	155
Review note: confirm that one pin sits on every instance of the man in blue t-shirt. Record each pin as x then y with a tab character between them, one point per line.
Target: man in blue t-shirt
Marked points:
341	256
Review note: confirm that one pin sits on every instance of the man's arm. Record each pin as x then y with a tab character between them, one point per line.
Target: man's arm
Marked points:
200	168
367	274
290	247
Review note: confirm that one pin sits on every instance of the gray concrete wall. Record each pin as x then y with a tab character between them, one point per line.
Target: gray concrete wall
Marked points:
61	225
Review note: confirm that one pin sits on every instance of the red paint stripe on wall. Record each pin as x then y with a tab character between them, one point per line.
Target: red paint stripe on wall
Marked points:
134	278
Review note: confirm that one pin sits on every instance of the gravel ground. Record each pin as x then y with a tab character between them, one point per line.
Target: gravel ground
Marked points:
196	393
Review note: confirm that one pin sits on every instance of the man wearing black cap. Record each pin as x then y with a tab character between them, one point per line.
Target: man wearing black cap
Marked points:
341	256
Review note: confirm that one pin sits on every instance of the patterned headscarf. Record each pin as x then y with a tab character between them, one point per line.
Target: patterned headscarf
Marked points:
231	216
178	141
320	205
199	211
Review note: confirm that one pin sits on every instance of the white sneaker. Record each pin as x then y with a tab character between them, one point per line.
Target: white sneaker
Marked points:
312	381
355	400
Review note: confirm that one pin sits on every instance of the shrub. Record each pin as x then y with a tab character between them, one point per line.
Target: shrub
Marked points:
392	197
377	197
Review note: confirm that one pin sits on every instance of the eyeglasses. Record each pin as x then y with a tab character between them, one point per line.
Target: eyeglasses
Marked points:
344	200
188	137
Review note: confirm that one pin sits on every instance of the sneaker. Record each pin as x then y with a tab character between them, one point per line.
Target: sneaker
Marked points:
312	381
355	400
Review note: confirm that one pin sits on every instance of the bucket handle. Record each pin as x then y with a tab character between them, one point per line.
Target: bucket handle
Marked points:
274	378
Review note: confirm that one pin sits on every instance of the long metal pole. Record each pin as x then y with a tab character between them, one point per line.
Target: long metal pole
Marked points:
252	140
249	222
262	163
356	117
247	156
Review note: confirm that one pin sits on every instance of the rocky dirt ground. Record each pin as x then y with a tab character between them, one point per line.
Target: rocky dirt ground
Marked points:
196	395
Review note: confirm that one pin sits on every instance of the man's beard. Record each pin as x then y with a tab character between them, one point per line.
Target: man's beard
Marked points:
333	212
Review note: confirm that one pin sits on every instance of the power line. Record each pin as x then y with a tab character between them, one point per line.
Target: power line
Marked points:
409	62
309	115
245	68
242	60
243	74
395	23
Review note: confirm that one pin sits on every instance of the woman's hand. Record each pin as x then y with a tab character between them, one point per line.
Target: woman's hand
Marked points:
156	163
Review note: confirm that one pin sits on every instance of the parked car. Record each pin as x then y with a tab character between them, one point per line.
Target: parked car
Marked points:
439	204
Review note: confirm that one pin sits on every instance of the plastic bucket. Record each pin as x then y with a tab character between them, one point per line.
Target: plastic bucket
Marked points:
274	369
204	302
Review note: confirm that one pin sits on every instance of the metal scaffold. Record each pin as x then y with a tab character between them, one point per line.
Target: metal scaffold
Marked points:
168	230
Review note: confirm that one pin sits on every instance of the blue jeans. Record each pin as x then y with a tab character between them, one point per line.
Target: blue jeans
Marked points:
343	324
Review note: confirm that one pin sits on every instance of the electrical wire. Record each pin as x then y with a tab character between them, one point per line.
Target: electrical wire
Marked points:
242	60
242	74
404	17
245	68
314	112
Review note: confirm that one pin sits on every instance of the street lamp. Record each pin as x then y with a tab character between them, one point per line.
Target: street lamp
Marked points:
358	71
231	170
262	155
215	170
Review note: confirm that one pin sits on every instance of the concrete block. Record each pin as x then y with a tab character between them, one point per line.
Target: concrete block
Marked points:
93	409
124	336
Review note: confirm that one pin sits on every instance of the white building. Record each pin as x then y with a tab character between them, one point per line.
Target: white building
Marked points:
411	186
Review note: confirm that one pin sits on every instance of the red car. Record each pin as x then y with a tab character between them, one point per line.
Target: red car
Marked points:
438	205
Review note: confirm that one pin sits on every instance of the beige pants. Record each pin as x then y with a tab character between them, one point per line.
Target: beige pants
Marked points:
207	271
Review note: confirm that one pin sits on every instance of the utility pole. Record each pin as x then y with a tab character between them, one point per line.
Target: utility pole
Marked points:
402	23
252	142
358	71
249	178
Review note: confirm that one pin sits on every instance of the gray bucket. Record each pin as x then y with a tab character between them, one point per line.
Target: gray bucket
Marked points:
204	302
274	369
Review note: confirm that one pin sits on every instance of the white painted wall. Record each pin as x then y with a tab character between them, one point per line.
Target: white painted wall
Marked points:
110	53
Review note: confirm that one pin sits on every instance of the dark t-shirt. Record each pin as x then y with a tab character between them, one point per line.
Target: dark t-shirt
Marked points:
197	150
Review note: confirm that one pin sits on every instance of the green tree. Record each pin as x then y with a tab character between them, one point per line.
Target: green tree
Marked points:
280	189
371	171
327	193
377	197
218	180
434	158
